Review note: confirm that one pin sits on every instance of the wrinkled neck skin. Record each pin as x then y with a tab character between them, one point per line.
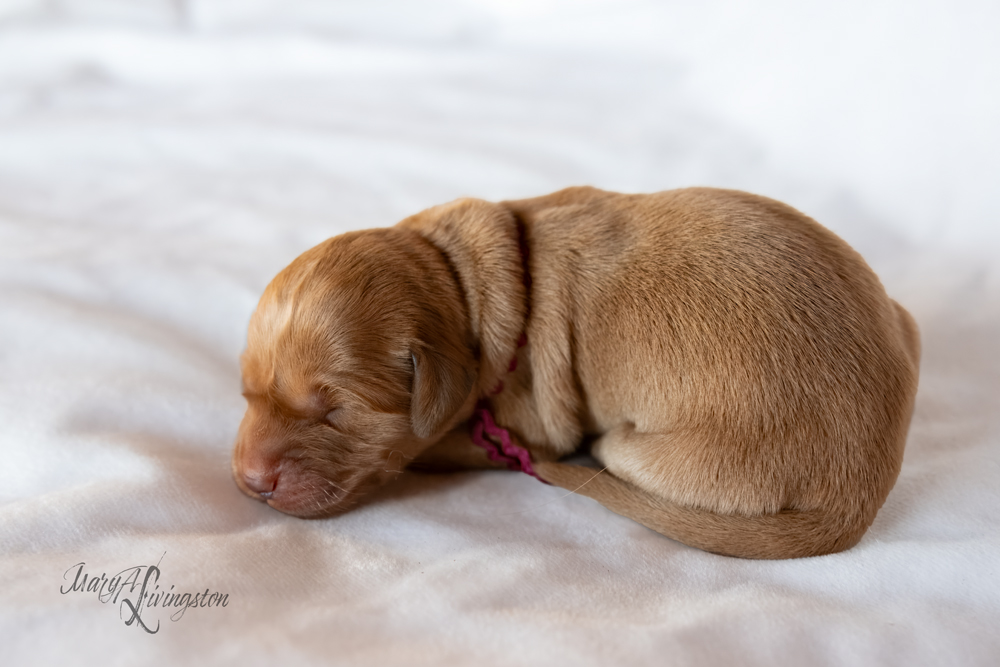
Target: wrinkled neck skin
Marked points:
479	241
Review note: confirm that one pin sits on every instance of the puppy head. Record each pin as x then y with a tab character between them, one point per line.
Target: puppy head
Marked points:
359	356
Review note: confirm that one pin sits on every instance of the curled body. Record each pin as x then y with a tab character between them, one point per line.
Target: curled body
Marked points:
737	368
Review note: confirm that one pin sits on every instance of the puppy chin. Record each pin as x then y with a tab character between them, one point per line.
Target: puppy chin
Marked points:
307	494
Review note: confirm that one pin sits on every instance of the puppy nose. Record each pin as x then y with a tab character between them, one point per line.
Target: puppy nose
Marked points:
263	482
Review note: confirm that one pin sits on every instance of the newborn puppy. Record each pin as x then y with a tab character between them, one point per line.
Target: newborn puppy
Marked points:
736	368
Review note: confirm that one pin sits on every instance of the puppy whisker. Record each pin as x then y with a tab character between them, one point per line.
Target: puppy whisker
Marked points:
402	458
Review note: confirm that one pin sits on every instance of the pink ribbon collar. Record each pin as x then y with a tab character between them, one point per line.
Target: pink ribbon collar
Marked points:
495	440
499	446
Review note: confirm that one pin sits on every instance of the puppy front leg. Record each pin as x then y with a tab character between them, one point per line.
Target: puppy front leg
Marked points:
455	451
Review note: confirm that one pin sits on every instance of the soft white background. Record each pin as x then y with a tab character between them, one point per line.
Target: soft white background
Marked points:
161	161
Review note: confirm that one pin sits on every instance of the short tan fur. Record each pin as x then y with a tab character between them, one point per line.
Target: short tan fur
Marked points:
736	367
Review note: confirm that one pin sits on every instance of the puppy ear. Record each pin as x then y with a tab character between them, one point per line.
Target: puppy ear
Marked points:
441	384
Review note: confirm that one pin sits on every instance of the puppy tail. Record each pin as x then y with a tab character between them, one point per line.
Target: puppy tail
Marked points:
910	334
786	534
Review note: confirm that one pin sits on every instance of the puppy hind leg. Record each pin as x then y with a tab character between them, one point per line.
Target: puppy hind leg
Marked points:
784	534
682	466
671	484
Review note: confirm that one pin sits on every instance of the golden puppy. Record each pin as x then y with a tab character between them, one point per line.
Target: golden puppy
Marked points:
737	368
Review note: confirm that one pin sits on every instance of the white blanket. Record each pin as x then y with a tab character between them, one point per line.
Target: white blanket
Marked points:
159	163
